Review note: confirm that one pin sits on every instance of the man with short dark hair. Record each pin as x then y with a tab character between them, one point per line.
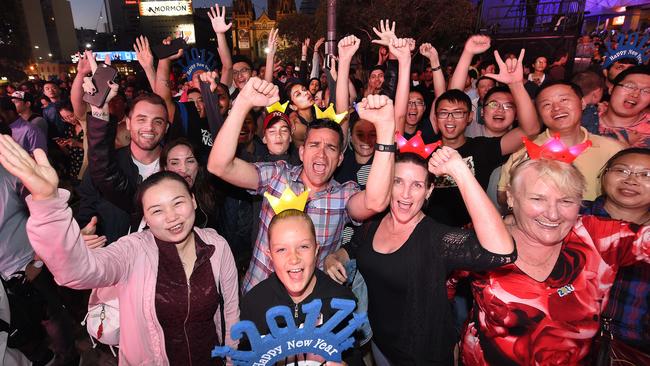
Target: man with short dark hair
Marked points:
559	106
27	135
331	204
24	102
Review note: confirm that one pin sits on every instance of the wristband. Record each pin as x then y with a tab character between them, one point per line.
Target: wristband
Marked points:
436	68
37	264
386	148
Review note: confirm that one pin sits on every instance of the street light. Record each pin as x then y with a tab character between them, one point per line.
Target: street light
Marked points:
36	47
266	50
88	45
49	54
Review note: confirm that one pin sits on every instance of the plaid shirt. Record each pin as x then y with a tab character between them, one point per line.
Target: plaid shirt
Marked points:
326	208
629	297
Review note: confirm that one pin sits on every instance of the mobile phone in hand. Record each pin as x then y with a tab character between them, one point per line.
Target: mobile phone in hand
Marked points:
165	50
101	77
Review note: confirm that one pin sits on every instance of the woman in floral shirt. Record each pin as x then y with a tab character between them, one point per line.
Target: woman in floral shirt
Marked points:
544	308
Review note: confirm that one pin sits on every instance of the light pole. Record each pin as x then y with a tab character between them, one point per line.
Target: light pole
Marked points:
330	45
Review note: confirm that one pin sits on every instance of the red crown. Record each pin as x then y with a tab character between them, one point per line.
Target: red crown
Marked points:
415	145
555	149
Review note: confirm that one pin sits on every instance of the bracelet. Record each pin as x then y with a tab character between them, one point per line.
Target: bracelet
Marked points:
386	148
436	68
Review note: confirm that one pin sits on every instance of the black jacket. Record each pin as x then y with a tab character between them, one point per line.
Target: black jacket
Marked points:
108	186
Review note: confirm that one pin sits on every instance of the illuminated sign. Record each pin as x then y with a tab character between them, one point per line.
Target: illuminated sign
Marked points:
187	31
127	56
618	20
130	2
165	8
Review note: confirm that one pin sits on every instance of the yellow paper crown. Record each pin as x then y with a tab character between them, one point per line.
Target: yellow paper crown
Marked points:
330	114
287	201
277	107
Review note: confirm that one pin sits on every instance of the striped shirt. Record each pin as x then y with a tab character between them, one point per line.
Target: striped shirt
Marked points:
326	208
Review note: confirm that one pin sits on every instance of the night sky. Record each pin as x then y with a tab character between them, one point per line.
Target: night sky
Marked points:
86	12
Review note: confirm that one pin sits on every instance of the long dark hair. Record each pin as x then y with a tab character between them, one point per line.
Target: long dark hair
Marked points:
203	191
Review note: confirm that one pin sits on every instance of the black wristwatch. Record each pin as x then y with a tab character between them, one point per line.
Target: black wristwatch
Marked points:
387	148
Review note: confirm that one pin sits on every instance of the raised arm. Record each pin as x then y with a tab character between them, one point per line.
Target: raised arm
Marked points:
439	83
270	56
303	74
475	45
378	110
145	58
76	91
163	84
489	227
401	49
52	231
511	72
315	59
222	161
212	110
348	46
218	20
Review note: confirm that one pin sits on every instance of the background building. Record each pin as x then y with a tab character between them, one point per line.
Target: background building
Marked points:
50	28
250	33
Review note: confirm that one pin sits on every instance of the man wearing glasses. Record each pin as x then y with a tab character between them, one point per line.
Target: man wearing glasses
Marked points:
626	119
483	154
242	69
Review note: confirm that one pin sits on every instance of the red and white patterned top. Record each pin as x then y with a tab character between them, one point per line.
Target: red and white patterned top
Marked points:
520	321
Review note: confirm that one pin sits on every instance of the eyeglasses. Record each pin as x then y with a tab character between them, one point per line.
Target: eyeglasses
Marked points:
245	71
415	103
631	88
643	175
496	105
454	114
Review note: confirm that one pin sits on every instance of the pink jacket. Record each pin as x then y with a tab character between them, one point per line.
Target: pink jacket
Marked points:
131	263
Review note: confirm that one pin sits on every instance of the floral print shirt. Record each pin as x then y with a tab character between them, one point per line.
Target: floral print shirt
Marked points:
520	321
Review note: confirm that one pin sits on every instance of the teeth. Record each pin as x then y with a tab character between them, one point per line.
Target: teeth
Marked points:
295	270
560	116
548	224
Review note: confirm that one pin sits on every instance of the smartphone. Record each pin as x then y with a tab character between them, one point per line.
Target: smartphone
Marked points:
101	77
166	50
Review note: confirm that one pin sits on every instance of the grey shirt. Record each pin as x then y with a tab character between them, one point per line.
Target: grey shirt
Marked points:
15	250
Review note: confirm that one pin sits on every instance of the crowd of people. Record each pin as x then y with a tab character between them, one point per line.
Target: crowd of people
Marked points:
493	211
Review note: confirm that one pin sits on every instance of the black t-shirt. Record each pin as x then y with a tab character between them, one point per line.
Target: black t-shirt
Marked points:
428	134
197	130
408	308
482	155
271	292
350	170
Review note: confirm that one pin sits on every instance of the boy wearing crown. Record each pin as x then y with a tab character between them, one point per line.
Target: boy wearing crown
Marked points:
331	205
559	105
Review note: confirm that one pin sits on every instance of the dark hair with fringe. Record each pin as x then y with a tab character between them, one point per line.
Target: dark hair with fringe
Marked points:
154	180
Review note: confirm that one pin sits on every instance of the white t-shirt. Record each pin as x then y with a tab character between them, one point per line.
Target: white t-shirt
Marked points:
146	170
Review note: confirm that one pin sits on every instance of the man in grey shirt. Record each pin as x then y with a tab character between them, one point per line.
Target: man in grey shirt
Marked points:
24	102
27	135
